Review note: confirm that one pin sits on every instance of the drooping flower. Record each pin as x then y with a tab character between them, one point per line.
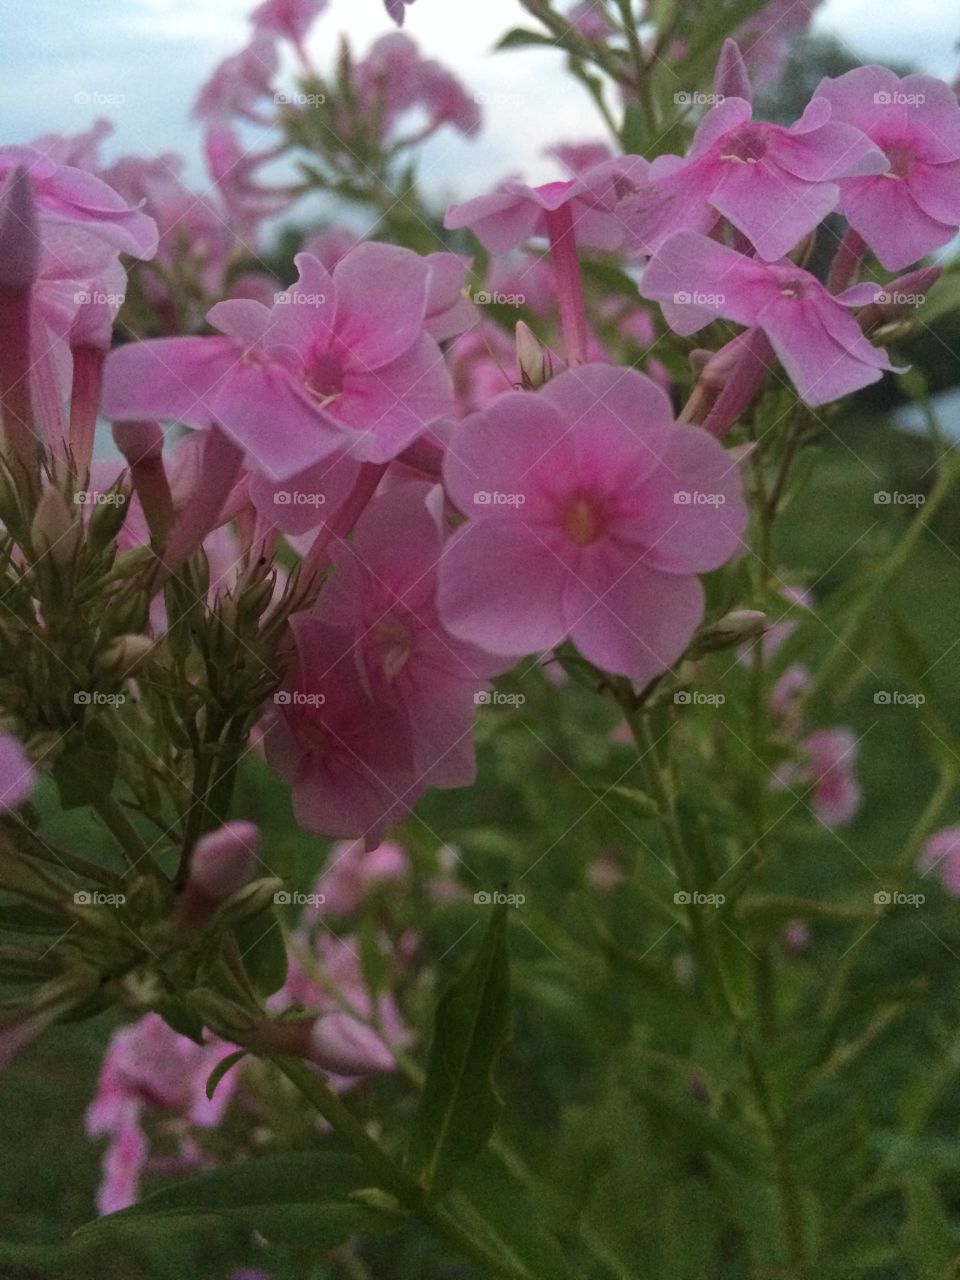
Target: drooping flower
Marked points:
342	360
819	344
590	513
291	19
774	184
384	590
397	9
913	205
241	83
349	758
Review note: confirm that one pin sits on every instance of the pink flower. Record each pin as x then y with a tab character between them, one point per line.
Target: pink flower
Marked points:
582	522
233	171
17	778
341	359
516	212
590	21
941	854
913	205
150	1073
767	35
240	83
384	590
826	765
291	19
772	183
68	197
821	347
349	758
352	871
391	83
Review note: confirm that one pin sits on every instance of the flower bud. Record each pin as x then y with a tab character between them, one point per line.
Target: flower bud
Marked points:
733	628
342	1044
533	359
122	655
55	533
220	866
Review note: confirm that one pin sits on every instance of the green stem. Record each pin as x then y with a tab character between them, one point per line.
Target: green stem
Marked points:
125	833
392	1178
881	580
788	1193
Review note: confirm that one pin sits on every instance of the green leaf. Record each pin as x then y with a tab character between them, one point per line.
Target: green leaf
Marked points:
638	802
928	1238
263	951
515	1214
21	917
299	1198
221	1069
459	1107
518	38
86	770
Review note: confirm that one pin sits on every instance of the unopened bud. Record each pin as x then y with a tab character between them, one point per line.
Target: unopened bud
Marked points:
342	1044
221	864
107	519
122	655
55	532
533	359
733	628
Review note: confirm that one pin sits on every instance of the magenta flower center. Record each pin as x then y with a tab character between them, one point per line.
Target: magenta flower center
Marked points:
745	145
900	155
393	644
323	376
584	520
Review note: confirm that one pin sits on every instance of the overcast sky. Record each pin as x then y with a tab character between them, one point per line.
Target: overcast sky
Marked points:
139	63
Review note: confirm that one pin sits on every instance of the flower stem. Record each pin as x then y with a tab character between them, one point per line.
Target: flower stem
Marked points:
566	265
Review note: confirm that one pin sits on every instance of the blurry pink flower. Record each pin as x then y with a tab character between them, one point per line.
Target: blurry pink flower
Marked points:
392	82
17	777
794	681
821	347
223	861
941	854
82	150
342	359
240	83
774	184
352	871
913	205
151	1073
767	35
348	757
384	590
587	18
582	524
69	197
232	169
291	19
826	765
516	212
